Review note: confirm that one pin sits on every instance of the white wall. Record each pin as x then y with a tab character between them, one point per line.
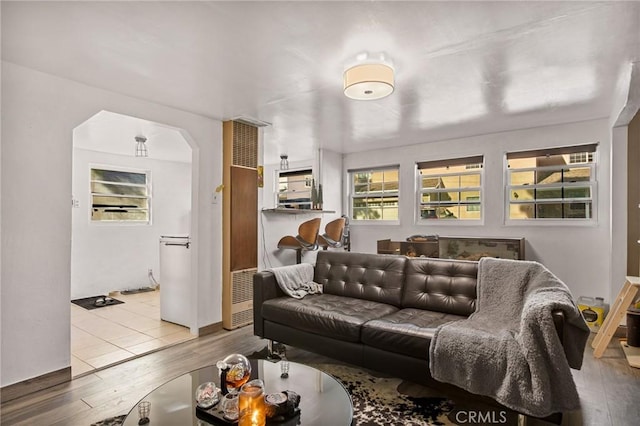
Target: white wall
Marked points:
618	226
39	113
273	226
626	105
579	255
107	257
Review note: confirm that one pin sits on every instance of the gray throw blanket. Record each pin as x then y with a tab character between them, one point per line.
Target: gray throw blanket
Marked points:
509	349
296	280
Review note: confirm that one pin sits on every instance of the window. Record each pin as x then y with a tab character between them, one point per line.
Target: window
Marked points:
374	194
580	157
294	189
450	189
556	183
119	196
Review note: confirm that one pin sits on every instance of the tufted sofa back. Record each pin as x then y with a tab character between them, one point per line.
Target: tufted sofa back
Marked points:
441	285
374	277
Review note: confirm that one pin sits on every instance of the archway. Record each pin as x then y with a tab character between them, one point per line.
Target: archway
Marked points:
122	204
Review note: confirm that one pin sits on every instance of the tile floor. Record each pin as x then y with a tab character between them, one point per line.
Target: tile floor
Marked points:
112	334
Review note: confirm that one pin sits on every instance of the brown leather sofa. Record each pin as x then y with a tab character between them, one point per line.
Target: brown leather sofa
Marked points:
376	311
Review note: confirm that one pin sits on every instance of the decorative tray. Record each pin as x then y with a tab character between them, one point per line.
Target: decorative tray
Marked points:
215	416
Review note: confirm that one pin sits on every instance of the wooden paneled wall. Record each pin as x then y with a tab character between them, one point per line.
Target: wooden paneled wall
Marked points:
244	224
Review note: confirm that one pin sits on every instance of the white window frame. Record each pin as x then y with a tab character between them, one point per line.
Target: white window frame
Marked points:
470	169
306	184
352	195
577	157
147	174
592	184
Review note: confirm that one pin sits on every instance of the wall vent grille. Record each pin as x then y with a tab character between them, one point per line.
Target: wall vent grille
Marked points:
241	298
242	286
242	318
251	121
245	145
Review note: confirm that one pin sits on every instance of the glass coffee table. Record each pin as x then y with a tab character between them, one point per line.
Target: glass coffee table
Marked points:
323	400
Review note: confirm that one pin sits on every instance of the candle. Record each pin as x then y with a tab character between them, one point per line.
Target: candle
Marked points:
251	403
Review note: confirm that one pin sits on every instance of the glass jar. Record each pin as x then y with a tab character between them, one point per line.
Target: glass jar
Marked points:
251	404
207	395
229	406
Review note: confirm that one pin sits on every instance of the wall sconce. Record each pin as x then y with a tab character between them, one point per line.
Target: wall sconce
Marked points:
260	171
141	147
284	162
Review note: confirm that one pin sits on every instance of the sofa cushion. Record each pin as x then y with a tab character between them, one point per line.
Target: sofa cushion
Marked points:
441	285
325	314
374	277
407	331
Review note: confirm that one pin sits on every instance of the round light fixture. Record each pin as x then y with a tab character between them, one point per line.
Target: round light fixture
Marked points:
368	81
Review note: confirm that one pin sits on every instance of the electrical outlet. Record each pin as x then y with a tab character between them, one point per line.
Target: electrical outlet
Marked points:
150	271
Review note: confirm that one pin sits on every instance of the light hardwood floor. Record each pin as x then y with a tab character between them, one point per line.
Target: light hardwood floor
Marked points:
608	387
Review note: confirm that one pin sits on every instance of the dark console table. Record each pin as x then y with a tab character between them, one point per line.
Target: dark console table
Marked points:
469	248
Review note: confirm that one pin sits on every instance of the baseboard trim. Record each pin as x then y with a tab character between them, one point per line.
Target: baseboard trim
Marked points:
16	390
210	329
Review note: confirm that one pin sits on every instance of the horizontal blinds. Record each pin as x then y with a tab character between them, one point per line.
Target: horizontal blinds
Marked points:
450	162
374	169
552	151
295	173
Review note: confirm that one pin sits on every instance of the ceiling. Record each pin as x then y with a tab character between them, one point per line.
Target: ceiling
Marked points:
115	134
462	68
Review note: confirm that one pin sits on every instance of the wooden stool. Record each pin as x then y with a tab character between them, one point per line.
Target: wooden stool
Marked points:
305	240
333	233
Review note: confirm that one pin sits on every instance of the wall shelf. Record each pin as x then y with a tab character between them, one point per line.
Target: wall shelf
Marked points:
283	210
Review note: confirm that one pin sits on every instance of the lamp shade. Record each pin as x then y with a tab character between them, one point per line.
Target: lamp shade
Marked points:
368	81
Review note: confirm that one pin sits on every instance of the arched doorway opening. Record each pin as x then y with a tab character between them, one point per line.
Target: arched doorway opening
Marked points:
123	202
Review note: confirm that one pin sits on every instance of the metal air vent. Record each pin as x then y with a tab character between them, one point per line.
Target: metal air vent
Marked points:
251	121
245	145
241	308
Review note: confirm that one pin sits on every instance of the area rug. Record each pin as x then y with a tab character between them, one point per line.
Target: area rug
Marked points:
89	303
379	400
111	421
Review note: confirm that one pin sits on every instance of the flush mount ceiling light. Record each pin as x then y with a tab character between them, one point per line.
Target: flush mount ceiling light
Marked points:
368	81
141	147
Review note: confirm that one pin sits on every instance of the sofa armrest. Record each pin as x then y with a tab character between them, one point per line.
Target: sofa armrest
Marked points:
265	287
558	321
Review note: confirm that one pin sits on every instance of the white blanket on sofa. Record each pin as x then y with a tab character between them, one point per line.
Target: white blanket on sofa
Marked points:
296	280
509	348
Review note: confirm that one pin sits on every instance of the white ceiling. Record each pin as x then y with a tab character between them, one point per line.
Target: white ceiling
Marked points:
115	133
462	68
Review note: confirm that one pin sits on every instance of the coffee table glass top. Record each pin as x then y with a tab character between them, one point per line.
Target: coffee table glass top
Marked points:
323	400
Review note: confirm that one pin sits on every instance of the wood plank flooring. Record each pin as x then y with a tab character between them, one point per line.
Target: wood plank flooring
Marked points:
609	389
